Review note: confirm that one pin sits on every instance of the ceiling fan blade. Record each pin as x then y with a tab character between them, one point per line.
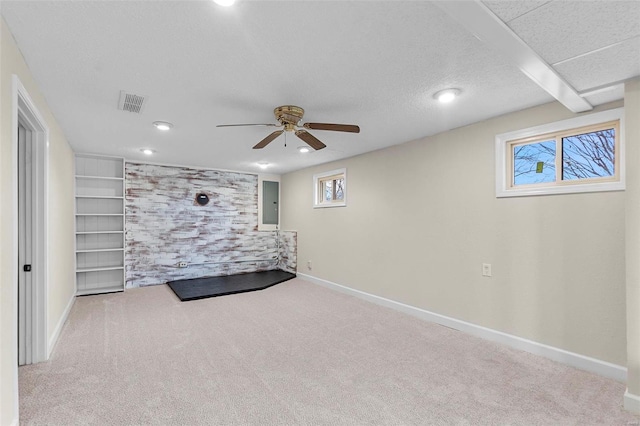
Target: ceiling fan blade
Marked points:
311	140
241	125
351	128
266	141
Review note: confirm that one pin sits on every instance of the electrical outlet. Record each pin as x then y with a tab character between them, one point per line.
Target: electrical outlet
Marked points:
308	264
182	264
486	269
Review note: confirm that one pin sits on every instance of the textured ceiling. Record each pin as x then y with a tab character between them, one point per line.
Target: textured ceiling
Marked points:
589	43
372	63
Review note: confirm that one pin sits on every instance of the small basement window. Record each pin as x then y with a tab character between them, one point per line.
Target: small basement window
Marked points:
330	189
583	154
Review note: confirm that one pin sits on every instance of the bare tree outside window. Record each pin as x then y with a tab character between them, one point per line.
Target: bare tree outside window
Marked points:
577	155
333	189
588	155
330	189
339	188
584	156
534	163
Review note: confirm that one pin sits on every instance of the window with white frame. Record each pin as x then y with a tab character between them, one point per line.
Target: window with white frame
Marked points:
330	189
583	154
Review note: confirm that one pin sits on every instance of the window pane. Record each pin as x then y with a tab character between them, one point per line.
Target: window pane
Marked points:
328	190
534	163
588	155
339	188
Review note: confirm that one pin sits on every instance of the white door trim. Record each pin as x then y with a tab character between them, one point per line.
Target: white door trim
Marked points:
24	107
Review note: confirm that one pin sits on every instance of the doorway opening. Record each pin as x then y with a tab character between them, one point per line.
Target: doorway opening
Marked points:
30	159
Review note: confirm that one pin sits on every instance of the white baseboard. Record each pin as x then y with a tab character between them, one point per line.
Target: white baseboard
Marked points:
572	359
56	333
631	402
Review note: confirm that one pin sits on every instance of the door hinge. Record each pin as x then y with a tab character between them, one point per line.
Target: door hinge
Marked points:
26	268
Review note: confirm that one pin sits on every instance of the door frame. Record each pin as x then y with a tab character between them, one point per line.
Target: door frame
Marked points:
25	242
24	108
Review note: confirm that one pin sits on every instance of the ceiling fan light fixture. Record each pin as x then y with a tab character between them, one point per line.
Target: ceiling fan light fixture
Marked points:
163	125
303	149
447	95
225	3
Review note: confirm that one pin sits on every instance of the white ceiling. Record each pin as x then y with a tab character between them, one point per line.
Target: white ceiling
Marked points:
372	63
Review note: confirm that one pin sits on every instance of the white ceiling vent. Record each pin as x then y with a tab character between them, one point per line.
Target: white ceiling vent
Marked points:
132	103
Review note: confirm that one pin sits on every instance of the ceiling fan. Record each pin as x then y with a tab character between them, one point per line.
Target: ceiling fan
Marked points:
289	116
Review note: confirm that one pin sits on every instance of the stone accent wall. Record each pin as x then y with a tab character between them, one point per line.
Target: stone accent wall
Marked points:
288	257
165	225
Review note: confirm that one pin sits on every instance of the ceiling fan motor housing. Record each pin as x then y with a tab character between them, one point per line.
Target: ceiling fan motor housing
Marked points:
289	116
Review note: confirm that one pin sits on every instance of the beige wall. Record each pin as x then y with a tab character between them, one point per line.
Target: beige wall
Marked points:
422	217
61	285
632	112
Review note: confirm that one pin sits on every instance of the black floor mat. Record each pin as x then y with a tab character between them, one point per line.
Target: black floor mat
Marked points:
200	288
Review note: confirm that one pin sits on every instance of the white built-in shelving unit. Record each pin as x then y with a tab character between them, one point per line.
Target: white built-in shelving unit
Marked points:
99	224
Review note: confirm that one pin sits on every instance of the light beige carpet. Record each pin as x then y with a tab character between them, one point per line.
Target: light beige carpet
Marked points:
294	354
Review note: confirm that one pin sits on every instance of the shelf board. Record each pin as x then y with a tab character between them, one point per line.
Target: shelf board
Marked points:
107	268
99	214
98	232
99	250
112	289
102	197
98	177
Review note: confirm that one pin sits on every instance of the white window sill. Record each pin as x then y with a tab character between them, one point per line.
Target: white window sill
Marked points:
324	206
561	189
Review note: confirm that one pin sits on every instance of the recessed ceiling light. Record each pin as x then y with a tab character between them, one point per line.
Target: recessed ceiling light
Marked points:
303	149
224	3
263	165
147	151
446	95
162	125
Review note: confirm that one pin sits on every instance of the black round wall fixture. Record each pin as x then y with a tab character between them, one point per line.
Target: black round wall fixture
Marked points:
202	199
